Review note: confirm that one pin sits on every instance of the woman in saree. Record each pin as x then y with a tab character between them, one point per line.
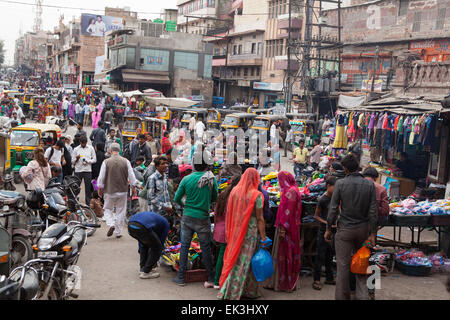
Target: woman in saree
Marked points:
243	222
286	252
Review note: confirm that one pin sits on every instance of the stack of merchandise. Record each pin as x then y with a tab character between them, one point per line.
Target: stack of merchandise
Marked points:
440	264
270	184
217	167
224	183
171	254
311	192
413	263
411	207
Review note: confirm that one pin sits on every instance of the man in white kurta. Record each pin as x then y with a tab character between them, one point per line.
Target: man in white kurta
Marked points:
116	174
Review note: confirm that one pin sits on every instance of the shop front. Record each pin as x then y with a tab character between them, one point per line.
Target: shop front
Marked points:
270	92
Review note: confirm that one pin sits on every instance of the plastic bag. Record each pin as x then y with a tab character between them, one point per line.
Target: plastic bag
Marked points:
262	265
360	261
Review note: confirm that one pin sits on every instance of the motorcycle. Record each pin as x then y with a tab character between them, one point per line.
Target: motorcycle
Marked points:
53	275
17	221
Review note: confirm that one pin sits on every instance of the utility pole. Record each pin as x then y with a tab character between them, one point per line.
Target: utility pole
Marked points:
287	98
375	66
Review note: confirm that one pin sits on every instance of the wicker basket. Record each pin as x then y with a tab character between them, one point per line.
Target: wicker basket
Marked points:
198	275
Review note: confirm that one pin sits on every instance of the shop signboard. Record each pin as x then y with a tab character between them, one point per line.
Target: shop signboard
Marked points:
244	83
269	86
97	25
366	85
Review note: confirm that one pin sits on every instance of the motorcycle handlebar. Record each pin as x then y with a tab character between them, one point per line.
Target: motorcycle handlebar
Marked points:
4	215
93	225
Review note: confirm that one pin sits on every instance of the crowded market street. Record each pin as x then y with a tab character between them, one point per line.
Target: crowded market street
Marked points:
217	151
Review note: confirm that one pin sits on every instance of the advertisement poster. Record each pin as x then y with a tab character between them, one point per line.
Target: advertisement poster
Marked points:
97	25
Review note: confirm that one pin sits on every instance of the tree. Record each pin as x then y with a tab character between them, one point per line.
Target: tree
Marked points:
2	52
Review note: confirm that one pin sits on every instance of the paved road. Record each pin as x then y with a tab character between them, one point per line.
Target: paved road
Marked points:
110	271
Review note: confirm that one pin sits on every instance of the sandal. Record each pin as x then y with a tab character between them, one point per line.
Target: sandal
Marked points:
317	285
331	283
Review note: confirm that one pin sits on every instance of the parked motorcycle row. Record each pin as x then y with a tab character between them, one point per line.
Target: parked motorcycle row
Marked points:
41	237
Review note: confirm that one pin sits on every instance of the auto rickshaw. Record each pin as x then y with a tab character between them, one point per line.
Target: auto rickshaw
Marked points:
239	109
26	138
155	127
238	121
130	125
5	163
302	126
261	111
196	112
264	122
216	116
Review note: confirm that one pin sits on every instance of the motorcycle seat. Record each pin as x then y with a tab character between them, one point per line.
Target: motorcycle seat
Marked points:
80	237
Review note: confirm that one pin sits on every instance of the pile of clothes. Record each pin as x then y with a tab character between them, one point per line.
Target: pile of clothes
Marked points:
171	254
311	192
224	183
413	258
440	264
411	207
270	184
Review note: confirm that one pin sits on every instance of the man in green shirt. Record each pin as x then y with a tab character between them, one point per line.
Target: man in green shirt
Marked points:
200	189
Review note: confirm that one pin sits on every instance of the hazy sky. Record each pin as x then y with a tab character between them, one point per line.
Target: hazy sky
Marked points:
16	16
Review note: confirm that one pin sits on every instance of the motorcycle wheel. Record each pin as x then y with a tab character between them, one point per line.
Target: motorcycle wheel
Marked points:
21	251
88	216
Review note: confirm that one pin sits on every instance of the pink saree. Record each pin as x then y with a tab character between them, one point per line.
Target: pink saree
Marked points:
287	252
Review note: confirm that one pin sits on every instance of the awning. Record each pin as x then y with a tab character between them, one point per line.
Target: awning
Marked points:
110	91
140	77
172	102
153	93
130	94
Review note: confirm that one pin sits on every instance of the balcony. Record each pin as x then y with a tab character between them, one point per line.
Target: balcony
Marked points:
296	23
246	59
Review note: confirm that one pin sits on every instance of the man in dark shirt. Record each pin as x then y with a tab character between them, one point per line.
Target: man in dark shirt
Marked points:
357	224
141	149
324	253
174	171
151	230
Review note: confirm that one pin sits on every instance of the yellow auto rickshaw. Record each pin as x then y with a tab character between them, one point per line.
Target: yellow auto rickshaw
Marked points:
238	121
155	127
197	113
28	103
5	162
302	126
26	138
264	123
216	116
130	125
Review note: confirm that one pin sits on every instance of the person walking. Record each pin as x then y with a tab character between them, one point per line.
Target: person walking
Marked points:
150	230
86	111
100	157
286	248
165	143
54	156
96	117
200	189
220	214
98	135
315	154
37	173
243	222
108	119
324	252
83	158
141	149
192	123
154	145
110	140
78	112
157	189
356	198
116	174
289	139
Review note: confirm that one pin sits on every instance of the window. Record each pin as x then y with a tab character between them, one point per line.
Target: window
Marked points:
403	7
224	51
253	48
252	72
259	48
234	50
441	19
257	72
240	49
417	21
216	51
245	72
195	92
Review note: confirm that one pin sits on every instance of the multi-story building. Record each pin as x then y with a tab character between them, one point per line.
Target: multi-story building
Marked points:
383	31
31	53
238	53
198	16
275	59
175	63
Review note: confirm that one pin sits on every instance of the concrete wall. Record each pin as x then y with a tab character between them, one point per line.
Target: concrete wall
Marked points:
379	21
184	81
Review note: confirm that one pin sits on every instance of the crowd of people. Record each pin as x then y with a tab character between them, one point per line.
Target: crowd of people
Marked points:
173	179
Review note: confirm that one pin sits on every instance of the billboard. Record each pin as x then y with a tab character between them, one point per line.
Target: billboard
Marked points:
97	25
